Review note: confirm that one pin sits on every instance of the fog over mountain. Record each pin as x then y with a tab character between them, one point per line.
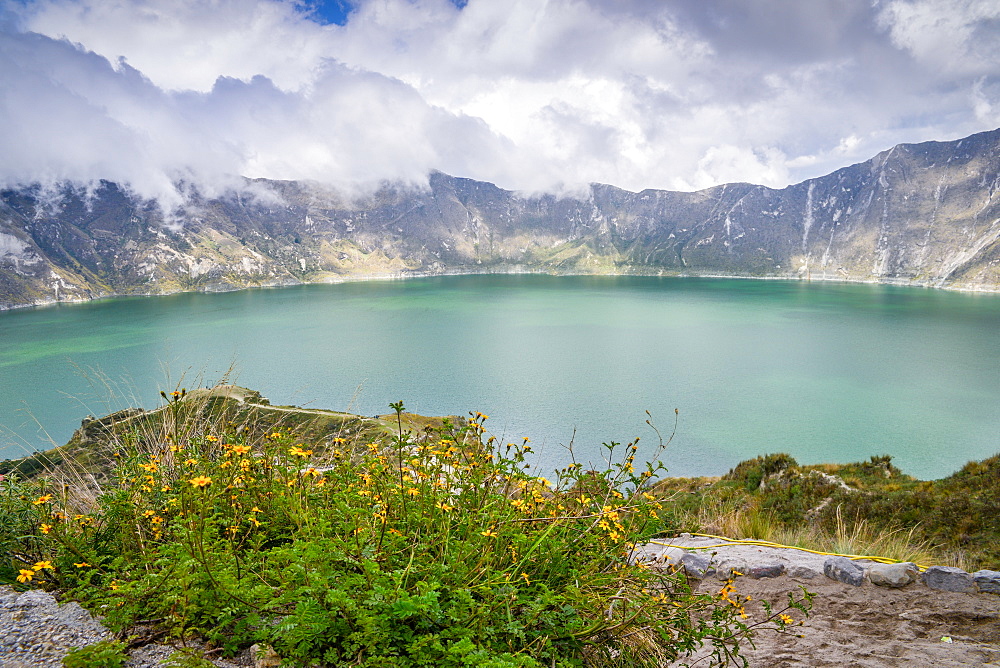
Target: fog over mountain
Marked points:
920	214
537	97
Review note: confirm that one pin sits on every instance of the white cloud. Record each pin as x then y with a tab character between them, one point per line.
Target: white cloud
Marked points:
188	44
532	95
949	35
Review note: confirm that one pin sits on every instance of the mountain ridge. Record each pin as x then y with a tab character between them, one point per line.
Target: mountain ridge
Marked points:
917	214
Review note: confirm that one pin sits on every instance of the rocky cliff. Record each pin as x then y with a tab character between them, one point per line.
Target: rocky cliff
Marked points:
922	214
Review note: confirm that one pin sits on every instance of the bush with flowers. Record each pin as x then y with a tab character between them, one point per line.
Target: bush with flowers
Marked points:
431	549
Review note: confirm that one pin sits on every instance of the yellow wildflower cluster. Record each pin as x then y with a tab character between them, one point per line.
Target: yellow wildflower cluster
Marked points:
728	594
27	574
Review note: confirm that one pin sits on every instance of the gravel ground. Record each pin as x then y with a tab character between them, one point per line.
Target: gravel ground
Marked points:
37	632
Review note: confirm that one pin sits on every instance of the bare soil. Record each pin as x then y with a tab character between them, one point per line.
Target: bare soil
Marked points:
872	627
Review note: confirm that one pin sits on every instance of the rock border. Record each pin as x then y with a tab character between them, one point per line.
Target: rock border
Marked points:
702	556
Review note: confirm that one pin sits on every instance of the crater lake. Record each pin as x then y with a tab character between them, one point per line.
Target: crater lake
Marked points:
823	371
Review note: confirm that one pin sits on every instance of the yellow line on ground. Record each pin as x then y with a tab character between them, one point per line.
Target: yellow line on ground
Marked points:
767	543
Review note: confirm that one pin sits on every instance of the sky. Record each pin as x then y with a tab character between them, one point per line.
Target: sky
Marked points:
533	95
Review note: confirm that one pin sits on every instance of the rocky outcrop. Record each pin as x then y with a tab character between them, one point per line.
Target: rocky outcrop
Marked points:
922	214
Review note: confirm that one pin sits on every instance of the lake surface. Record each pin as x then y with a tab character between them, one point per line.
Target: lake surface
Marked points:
824	371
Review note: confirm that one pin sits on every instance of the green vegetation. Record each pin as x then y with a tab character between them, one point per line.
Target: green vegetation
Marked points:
428	544
103	654
864	508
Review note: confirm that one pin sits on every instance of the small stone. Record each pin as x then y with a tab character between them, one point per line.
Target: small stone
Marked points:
264	656
988	581
893	575
844	570
758	571
949	578
696	565
803	572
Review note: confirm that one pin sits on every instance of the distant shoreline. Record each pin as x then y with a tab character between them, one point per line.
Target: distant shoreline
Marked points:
512	271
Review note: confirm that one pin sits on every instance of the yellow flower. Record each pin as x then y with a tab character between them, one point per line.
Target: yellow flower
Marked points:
489	533
45	528
275	435
255	509
190	462
43	499
39	565
241	449
82	564
785	619
444	506
296	451
25	575
200	481
526	580
211	439
413	491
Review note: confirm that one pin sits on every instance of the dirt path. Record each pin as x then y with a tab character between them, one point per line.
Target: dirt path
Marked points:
865	626
875	627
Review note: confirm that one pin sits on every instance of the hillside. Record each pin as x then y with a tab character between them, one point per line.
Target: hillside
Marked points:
918	214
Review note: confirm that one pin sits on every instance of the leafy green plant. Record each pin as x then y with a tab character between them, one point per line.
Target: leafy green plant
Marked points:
437	548
188	659
103	654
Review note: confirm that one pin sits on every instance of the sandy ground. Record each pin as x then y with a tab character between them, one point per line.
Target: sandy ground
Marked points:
866	626
871	626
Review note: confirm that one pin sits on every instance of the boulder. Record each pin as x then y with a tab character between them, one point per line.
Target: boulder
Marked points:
844	570
949	578
988	581
774	570
893	575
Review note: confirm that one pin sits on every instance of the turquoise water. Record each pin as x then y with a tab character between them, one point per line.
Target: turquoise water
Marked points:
826	372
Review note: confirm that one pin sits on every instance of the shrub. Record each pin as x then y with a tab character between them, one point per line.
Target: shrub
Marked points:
439	549
103	654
